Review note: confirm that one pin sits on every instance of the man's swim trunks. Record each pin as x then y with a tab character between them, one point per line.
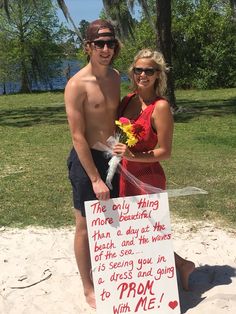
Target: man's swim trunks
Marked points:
81	184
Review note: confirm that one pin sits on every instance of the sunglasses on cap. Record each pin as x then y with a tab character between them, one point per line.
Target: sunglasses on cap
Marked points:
147	71
100	44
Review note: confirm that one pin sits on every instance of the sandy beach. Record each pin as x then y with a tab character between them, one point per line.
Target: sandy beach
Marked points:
39	273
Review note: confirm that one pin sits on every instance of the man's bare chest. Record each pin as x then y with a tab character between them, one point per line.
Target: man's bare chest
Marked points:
101	98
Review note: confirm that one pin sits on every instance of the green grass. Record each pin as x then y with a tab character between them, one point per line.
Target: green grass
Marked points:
35	142
204	155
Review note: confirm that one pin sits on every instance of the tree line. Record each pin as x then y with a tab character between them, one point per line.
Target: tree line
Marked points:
202	41
30	43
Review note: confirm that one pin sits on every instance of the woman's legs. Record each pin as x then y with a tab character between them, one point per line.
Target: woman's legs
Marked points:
185	268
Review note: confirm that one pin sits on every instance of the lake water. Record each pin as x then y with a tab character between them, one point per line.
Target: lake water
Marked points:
56	83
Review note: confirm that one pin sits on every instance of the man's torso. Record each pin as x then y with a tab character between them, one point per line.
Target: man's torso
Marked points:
100	105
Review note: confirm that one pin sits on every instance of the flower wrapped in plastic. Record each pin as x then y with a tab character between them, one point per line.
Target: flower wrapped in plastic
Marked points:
128	134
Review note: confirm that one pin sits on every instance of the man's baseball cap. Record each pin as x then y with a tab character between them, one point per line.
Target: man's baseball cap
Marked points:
94	27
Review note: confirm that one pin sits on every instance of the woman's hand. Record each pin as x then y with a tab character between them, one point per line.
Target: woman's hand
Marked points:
122	150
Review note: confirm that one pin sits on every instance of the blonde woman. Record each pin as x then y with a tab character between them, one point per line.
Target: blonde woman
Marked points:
147	107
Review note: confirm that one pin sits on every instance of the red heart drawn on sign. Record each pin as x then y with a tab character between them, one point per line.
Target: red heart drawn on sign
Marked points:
173	304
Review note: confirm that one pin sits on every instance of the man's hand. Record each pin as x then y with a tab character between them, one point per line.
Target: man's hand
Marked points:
101	190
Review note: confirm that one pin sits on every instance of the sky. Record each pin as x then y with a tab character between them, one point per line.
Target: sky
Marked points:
88	10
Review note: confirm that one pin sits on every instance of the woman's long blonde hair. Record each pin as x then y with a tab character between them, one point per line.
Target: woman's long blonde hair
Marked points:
157	57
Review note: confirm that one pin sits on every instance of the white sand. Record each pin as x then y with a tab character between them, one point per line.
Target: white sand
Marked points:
44	260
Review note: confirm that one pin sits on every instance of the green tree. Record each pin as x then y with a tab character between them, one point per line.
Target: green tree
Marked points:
7	61
163	26
202	32
233	8
204	44
119	10
143	36
120	13
33	33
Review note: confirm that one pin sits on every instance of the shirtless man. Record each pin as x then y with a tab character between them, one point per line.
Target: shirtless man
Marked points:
91	97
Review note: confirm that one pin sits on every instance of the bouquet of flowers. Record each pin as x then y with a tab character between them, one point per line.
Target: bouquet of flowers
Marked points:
128	134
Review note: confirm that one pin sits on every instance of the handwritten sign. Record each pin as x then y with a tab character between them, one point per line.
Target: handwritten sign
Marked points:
132	256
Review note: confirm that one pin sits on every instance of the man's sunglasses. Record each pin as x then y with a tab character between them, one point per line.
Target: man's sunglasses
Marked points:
100	44
147	71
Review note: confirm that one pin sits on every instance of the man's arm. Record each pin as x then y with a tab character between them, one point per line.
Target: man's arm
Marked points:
74	99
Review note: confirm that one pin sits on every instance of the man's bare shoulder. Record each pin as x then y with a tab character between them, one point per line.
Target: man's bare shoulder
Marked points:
76	88
115	73
78	80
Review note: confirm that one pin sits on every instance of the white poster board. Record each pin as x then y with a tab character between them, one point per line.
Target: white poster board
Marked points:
132	256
